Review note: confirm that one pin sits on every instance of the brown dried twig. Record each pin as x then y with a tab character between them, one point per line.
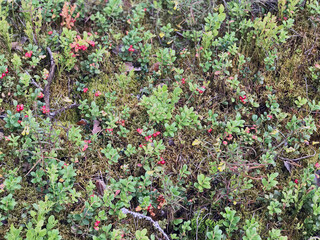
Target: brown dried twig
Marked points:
53	114
141	216
297	159
46	89
34	82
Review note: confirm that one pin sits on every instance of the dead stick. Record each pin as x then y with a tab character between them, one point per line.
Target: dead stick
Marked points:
33	166
53	114
141	216
46	90
297	159
34	82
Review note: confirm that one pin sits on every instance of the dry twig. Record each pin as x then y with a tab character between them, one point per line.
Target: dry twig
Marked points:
46	90
53	114
297	159
141	216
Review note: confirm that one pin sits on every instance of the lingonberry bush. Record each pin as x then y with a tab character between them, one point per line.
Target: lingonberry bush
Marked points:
159	119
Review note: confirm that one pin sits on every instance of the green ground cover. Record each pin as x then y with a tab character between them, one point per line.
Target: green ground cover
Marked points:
159	119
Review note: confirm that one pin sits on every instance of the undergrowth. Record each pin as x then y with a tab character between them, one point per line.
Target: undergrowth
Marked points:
160	119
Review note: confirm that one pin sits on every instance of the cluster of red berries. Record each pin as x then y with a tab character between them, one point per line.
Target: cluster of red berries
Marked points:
109	130
40	96
96	225
19	107
162	162
247	130
148	138
97	93
131	49
82	47
183	81
4	74
121	122
28	54
242	99
200	91
78	47
85	90
45	109
228	136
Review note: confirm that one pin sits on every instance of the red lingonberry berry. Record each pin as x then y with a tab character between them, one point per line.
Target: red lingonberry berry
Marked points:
45	109
96	224
28	54
40	96
20	108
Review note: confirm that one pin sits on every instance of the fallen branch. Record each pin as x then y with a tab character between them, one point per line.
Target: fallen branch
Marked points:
46	90
297	159
41	159
34	82
53	114
141	216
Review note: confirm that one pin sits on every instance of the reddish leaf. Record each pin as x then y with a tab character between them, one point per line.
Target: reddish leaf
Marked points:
154	67
82	122
117	192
